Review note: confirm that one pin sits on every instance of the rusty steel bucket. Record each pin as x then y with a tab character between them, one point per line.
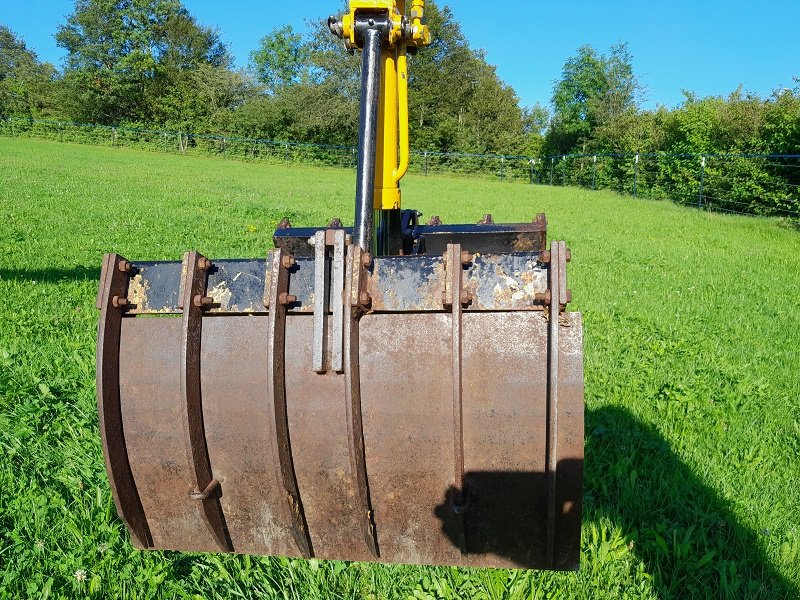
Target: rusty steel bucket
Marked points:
421	409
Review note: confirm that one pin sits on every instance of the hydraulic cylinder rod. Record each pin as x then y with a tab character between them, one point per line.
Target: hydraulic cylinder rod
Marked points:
367	136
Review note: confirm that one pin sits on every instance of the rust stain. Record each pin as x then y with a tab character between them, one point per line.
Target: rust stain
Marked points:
525	243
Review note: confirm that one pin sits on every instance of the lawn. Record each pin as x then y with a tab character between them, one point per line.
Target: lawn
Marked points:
692	361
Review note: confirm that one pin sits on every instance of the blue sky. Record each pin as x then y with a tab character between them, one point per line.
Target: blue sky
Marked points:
709	47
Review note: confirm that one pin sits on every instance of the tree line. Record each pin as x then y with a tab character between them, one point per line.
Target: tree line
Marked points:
152	64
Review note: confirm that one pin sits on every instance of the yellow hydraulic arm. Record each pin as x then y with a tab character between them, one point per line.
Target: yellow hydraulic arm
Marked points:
398	31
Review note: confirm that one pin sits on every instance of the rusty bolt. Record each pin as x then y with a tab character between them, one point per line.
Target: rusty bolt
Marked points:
204	264
364	298
288	261
466	297
119	302
201	301
284	224
486	220
335	224
434	221
286	298
545	297
466	258
569	255
544	257
125	266
366	259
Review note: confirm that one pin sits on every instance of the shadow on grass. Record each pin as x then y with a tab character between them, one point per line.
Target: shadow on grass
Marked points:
50	275
683	532
686	535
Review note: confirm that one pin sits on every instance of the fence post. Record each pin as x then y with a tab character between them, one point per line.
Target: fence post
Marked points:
533	166
552	160
594	172
636	176
702	180
563	171
503	168
426	163
286	153
165	142
225	147
113	137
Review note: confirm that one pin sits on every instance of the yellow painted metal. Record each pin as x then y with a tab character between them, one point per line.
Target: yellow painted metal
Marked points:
391	162
417	34
387	192
402	106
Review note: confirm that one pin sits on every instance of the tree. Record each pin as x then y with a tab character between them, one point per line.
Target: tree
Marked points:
123	54
281	59
24	80
457	101
593	90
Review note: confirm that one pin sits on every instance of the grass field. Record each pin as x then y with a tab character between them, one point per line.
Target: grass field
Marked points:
692	380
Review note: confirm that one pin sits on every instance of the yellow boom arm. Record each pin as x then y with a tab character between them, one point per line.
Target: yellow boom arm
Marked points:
392	151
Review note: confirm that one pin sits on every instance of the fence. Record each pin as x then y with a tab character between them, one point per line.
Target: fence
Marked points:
754	184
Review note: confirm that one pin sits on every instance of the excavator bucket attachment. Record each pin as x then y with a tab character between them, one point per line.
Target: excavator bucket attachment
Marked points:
319	402
393	392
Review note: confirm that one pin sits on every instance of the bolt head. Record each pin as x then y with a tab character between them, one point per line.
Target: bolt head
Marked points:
119	302
201	301
204	264
125	266
466	258
366	259
364	298
544	257
288	261
286	298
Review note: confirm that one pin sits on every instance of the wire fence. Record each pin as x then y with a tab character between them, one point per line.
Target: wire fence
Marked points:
752	184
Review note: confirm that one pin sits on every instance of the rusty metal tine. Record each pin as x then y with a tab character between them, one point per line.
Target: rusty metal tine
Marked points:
194	284
455	273
126	497
337	288
276	396
102	286
552	394
320	301
355	428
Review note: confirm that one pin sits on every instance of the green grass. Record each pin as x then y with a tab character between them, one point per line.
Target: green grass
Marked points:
692	380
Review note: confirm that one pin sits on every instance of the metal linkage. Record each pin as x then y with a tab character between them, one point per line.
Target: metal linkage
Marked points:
112	301
206	489
329	249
